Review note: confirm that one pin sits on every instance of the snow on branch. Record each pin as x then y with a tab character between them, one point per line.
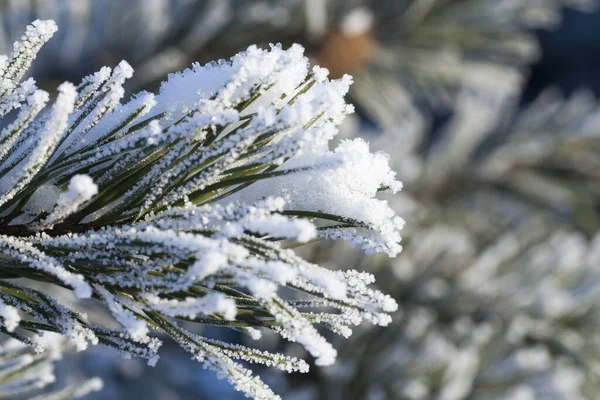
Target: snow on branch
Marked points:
179	206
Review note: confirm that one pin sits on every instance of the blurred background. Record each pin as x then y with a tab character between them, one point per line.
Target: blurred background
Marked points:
488	110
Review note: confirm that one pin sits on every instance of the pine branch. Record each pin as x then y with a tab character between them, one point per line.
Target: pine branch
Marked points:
172	207
499	273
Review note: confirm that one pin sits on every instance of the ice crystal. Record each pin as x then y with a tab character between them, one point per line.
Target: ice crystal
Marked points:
180	206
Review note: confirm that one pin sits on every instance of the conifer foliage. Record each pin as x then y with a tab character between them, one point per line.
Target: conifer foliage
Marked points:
183	206
28	368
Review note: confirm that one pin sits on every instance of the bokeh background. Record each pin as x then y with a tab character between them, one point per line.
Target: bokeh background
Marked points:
488	110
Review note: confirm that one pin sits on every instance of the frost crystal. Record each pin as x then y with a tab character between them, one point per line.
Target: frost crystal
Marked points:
10	317
181	206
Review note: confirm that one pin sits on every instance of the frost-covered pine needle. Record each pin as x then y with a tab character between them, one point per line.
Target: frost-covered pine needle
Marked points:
174	207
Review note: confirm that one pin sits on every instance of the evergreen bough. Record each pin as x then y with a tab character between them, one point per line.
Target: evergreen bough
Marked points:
181	207
497	285
25	369
406	56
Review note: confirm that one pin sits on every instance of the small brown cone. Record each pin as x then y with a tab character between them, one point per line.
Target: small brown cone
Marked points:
342	53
